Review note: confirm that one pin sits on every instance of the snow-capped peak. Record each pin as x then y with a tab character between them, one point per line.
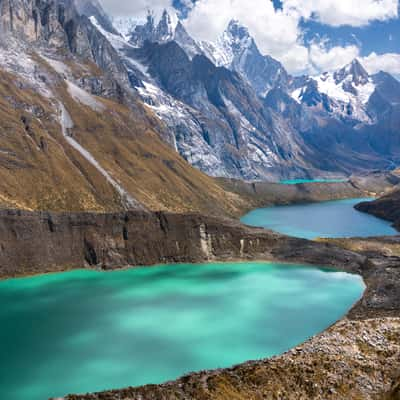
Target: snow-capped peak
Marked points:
233	42
354	73
347	89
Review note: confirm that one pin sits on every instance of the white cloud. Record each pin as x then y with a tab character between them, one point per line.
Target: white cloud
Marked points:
344	12
389	62
324	58
209	18
276	32
136	8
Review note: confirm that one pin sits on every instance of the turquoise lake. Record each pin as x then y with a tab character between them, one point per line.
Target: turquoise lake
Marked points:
333	219
298	181
85	331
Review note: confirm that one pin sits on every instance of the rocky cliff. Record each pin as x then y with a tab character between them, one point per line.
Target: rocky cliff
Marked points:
43	242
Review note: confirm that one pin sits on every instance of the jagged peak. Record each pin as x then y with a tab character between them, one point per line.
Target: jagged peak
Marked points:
237	30
167	23
354	71
169	17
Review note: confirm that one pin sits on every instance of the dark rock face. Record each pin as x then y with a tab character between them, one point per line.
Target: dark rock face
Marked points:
58	25
33	243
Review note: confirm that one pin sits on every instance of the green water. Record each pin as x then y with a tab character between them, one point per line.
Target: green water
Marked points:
88	331
333	219
298	181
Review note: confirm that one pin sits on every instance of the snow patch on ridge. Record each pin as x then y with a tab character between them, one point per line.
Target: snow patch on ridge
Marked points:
15	59
327	85
58	66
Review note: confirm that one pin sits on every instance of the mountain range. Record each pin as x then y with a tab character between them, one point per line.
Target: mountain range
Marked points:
116	110
237	113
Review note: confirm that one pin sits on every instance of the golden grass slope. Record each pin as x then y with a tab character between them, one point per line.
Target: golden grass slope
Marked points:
39	170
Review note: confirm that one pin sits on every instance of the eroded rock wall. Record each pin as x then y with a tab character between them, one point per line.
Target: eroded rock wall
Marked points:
38	242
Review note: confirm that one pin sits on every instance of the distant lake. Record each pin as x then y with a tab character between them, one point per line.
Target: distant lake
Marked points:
86	331
333	219
298	181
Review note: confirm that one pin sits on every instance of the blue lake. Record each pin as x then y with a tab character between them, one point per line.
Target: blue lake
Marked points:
333	219
86	331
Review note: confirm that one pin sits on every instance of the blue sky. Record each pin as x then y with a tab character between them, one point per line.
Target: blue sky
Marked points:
379	37
307	36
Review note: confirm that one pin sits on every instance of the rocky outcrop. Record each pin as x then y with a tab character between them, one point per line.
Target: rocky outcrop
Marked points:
33	243
57	25
387	207
91	8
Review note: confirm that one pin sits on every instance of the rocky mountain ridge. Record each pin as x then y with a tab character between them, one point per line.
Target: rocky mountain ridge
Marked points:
336	112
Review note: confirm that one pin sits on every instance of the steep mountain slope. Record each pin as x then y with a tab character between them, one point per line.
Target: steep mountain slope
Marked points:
216	119
250	140
62	147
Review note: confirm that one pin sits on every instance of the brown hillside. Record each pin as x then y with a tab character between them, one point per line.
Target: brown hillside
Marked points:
39	170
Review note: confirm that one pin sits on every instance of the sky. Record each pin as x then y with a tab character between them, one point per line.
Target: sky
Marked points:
307	36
